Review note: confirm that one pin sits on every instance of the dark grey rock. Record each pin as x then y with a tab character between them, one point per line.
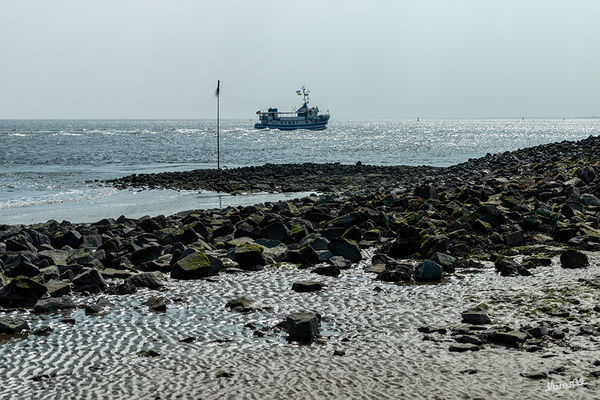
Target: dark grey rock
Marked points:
121	289
58	288
307	286
157	304
340	262
534	375
447	262
54	304
150	280
475	317
346	248
55	257
92	309
538	332
241	304
572	258
428	271
112	273
327	270
514	238
80	256
146	254
317	242
462	347
276	231
12	325
25	268
510	338
70	238
468	339
302	326
490	214
21	291
90	279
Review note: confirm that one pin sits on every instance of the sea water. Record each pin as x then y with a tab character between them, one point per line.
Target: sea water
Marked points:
49	168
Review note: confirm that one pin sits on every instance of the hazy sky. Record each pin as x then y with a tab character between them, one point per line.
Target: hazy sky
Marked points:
361	59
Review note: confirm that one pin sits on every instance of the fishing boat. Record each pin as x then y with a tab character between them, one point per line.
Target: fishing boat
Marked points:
303	118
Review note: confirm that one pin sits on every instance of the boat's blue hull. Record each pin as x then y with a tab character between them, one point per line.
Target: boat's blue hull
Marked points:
315	126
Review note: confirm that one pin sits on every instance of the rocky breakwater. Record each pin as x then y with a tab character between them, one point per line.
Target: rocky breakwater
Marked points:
516	209
275	178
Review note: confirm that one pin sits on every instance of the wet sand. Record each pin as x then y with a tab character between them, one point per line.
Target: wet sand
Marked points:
385	356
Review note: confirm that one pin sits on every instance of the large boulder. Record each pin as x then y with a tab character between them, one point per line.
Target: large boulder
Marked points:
302	326
489	213
194	266
90	280
54	304
475	317
407	243
586	174
12	325
447	262
24	268
150	280
248	255
346	248
276	231
428	271
21	291
572	258
70	238
54	257
434	244
315	241
57	288
145	254
426	191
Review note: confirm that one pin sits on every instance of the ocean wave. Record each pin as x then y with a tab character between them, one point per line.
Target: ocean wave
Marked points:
62	133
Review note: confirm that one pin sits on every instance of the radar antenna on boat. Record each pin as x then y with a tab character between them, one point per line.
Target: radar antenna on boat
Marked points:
304	93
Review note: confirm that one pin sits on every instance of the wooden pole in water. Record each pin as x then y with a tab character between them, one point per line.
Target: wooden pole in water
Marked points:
217	93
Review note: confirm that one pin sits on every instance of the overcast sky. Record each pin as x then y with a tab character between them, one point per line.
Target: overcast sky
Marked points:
361	59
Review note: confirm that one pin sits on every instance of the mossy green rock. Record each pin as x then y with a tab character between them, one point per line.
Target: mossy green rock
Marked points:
572	258
194	266
434	244
21	291
148	353
248	255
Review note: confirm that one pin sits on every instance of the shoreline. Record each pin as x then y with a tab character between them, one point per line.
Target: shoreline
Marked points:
508	217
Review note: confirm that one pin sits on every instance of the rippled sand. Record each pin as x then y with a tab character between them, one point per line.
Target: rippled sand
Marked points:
385	355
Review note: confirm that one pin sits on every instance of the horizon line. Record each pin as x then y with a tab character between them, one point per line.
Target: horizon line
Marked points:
341	119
